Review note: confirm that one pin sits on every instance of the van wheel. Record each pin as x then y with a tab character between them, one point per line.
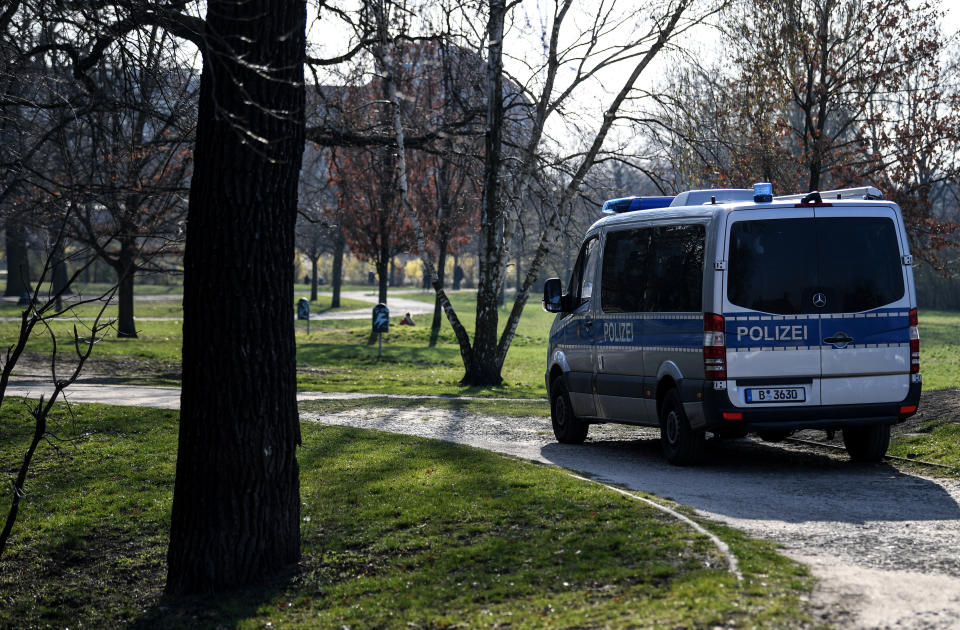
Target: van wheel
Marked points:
867	444
682	446
566	427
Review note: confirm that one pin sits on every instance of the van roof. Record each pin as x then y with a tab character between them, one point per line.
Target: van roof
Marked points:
705	203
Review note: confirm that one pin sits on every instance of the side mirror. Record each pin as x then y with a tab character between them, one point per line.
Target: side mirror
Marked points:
553	296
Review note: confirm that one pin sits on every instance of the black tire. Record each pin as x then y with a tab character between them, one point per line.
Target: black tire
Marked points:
566	427
682	446
867	444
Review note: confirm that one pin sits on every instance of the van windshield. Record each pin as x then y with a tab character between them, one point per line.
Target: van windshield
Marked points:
779	265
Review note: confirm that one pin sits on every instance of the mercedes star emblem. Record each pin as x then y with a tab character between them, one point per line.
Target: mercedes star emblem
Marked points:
819	300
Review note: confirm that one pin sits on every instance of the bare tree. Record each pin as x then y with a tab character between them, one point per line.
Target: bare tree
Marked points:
38	315
483	357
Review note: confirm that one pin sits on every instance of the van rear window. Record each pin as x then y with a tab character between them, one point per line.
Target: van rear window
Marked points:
778	265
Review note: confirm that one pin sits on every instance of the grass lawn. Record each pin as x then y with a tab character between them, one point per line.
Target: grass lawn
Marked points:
397	532
940	349
938	442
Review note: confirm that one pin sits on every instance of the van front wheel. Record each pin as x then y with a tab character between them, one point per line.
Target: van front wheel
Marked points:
867	444
682	446
566	426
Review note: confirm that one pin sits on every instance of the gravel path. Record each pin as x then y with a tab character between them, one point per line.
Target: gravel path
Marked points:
884	545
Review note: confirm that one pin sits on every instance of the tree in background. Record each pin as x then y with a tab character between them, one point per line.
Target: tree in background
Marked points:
819	94
319	222
544	96
128	163
374	227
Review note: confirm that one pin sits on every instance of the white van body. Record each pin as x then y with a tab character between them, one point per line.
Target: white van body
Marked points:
722	314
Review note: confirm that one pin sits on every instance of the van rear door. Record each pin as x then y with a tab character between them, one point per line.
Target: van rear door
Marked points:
817	303
772	323
865	322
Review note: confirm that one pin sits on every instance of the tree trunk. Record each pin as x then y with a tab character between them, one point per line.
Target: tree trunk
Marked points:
236	504
383	277
337	279
18	264
125	268
313	278
59	273
437	307
483	369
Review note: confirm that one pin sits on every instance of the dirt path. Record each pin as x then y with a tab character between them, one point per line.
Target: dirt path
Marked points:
885	545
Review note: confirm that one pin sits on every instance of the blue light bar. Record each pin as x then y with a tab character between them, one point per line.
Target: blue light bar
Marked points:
629	204
763	192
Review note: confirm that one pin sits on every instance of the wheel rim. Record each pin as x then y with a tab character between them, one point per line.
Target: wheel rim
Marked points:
561	415
672	427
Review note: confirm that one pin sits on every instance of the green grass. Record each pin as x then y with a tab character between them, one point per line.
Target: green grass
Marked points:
341	360
937	442
397	532
940	349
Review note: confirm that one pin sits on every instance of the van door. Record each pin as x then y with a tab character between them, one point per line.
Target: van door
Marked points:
579	332
770	296
865	322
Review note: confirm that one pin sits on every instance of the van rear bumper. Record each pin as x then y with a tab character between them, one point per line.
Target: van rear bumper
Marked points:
716	402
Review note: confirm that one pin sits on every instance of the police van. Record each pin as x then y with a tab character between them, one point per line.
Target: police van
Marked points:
731	312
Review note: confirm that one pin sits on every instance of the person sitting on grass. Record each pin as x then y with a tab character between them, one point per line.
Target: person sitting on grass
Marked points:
407	320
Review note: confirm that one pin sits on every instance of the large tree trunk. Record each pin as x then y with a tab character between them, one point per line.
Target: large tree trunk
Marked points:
126	326
484	369
18	265
236	506
337	280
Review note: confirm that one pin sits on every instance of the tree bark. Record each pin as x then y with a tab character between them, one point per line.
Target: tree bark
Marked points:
236	507
313	278
437	307
18	264
483	369
383	277
59	273
337	280
125	268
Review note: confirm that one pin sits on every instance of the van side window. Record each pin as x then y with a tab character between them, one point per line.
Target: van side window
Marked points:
655	269
585	271
676	273
625	259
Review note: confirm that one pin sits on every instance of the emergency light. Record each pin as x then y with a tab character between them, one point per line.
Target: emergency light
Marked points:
629	204
763	192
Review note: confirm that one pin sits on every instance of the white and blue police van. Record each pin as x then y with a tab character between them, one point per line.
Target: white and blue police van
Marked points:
732	312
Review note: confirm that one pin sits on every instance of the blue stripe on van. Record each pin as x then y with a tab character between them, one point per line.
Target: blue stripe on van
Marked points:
880	327
743	330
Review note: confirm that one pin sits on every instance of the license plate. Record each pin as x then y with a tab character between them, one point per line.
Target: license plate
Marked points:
775	394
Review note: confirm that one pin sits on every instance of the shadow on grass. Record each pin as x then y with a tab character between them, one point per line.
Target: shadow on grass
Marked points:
220	610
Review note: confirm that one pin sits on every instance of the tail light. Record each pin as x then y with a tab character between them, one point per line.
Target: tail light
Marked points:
714	347
914	342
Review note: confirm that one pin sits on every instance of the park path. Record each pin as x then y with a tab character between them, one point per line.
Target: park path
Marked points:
884	545
397	304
